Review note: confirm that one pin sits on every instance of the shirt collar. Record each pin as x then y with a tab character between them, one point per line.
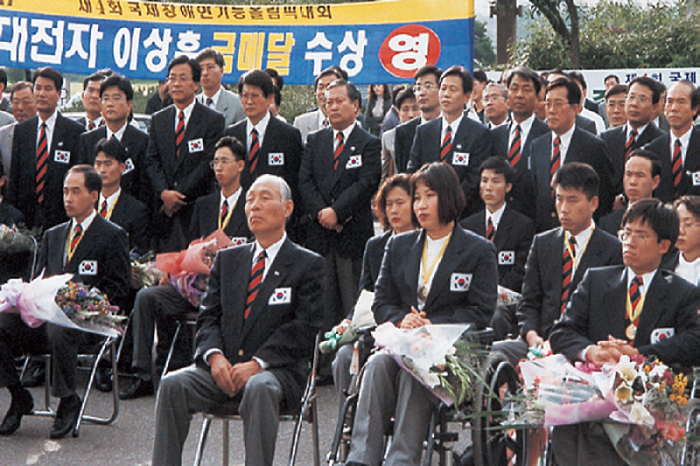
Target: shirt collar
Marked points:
260	127
110	199
685	138
321	119
187	111
119	134
496	216
646	279
214	98
86	223
232	199
525	126
454	125
688	270
271	252
346	132
50	121
640	130
565	140
583	237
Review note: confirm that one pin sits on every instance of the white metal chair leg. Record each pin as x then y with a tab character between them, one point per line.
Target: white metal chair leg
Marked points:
202	440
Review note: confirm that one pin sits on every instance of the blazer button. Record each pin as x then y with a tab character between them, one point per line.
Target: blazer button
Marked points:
175	184
554	214
240	352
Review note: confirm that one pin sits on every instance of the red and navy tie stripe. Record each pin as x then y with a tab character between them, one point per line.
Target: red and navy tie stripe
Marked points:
254	149
446	145
567	272
340	145
490	230
42	155
179	133
256	276
514	152
677	163
630	142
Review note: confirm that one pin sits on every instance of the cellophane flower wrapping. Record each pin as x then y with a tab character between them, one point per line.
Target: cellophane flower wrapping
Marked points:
189	269
40	301
341	334
430	353
506	296
144	272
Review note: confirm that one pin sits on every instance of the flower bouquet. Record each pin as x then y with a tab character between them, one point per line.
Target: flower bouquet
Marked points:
143	270
189	269
506	296
59	301
439	356
344	333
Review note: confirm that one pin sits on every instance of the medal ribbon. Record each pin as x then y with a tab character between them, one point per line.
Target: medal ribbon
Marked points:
428	271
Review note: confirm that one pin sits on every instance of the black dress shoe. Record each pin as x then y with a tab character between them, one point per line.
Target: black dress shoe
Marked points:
35	374
103	379
22	403
137	389
66	416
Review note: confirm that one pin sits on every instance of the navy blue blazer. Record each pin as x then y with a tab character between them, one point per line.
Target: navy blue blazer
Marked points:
205	218
661	146
597	309
467	256
403	141
471	138
348	190
583	147
133	216
540	306
513	240
284	319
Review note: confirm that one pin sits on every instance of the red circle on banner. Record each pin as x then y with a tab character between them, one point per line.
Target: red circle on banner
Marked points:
409	48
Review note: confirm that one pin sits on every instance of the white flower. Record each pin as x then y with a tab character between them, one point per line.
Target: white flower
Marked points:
623	393
639	415
658	372
626	369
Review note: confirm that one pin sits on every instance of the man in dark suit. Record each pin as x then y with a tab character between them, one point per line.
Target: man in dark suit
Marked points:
679	150
509	230
96	251
339	173
641	178
117	94
623	310
92	102
642	101
425	86
273	146
582	122
180	146
559	259
43	149
454	138
563	144
255	333
513	141
161	306
114	203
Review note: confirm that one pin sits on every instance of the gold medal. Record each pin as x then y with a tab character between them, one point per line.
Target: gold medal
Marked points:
631	331
423	293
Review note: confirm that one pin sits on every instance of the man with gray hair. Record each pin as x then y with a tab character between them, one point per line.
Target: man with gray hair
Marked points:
255	333
495	101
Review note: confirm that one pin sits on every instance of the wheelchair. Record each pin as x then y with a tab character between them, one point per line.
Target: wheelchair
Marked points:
490	447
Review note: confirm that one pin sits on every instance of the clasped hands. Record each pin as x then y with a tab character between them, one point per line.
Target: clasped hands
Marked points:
173	201
328	219
414	320
231	378
609	351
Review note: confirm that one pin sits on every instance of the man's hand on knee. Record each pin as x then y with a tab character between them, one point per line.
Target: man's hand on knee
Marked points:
221	372
241	372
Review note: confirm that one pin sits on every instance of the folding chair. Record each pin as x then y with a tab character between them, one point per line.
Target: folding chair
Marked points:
190	320
308	412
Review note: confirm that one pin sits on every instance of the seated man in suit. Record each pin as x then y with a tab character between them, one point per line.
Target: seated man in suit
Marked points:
96	251
510	231
160	306
117	97
564	143
454	138
679	149
214	95
641	178
621	310
115	204
255	333
559	258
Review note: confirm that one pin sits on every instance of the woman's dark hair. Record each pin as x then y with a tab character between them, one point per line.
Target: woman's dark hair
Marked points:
691	203
402	181
441	178
386	93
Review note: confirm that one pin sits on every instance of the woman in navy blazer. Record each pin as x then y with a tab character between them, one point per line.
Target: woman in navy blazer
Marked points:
436	275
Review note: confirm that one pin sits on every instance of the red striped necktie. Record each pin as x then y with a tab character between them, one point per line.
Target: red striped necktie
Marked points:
630	142
180	132
103	209
42	155
514	152
256	277
567	272
340	145
254	149
446	145
677	163
77	234
490	230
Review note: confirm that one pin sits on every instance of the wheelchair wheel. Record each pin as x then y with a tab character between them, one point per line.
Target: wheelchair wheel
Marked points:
497	447
691	453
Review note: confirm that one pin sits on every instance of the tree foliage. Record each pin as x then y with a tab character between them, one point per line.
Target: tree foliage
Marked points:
619	35
484	56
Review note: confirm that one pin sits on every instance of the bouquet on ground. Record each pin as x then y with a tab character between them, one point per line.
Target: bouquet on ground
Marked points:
189	269
642	403
62	302
144	272
441	357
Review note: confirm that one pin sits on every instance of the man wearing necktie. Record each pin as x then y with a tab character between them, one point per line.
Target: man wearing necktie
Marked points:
97	252
255	333
679	150
92	103
643	99
339	173
180	147
214	95
117	96
454	138
635	308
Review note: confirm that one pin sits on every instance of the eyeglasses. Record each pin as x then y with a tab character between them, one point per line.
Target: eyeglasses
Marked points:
637	238
251	96
224	162
23	101
556	104
492	98
426	86
179	79
639	98
112	98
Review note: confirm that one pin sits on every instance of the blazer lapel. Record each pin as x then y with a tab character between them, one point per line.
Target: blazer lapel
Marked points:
168	134
90	237
348	150
653	306
450	259
272	280
590	255
503	232
615	299
413	267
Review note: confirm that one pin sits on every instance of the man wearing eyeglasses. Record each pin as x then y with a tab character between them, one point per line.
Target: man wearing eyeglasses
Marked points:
564	143
640	106
496	105
425	87
23	108
180	146
635	308
116	95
